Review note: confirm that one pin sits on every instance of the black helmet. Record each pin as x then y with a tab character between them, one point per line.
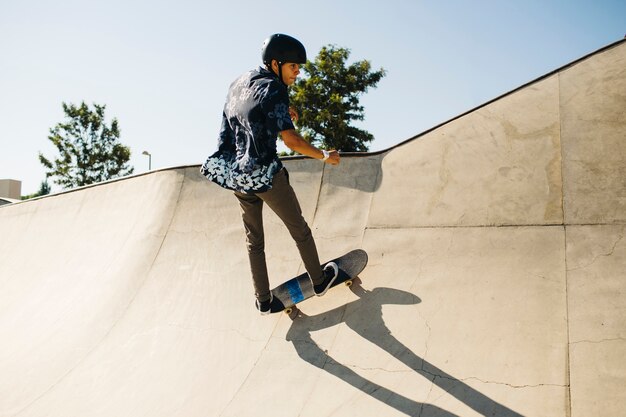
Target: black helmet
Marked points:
283	48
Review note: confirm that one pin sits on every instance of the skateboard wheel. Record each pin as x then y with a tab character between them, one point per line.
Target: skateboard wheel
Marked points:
288	310
349	283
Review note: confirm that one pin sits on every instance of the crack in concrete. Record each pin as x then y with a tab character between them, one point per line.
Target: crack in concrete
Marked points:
430	391
252	369
435	376
602	255
338	237
614	339
504	383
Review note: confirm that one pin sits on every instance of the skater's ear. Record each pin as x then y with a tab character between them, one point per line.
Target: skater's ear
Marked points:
274	66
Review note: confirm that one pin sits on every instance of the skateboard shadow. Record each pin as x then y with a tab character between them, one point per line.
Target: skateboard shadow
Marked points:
365	318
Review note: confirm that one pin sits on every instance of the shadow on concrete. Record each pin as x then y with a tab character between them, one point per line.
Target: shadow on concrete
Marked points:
365	318
361	172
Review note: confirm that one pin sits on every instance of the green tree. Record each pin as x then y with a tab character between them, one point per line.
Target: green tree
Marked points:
44	189
327	100
89	149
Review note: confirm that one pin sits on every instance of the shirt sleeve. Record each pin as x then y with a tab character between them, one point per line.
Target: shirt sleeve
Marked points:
276	108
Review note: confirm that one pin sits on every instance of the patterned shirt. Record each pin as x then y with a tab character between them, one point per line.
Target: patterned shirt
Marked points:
256	110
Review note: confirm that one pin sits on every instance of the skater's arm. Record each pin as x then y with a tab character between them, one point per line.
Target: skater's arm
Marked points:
296	143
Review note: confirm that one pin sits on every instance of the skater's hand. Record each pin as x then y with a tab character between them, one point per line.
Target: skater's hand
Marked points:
293	114
296	143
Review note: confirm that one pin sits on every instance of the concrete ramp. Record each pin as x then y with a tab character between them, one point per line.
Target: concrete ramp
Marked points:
496	284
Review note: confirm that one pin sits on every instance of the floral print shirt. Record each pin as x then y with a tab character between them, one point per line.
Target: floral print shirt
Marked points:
256	110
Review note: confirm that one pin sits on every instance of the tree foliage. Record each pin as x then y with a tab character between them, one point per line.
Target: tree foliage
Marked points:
44	189
327	100
89	150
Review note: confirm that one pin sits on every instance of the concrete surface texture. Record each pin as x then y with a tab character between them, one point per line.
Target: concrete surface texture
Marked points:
496	283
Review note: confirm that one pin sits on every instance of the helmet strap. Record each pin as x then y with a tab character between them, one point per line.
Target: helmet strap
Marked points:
280	72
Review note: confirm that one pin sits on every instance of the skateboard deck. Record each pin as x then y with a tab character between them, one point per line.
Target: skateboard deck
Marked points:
298	289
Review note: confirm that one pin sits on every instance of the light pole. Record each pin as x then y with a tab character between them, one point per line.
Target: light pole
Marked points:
149	159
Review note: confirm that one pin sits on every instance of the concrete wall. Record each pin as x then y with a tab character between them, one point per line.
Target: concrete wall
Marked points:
495	284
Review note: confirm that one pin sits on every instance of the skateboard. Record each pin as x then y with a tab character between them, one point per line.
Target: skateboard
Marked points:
298	289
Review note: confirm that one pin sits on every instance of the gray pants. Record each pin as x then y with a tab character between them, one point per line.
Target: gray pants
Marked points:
283	201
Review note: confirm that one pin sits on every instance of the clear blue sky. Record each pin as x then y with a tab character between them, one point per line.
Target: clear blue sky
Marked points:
163	68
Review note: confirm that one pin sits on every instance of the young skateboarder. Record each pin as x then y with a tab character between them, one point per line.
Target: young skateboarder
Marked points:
256	112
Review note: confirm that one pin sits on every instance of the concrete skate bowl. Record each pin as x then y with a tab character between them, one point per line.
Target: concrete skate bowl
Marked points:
495	284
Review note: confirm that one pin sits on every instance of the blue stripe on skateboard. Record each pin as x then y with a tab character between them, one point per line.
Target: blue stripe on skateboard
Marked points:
295	292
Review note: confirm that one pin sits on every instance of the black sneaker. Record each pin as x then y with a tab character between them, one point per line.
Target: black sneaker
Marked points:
331	272
265	307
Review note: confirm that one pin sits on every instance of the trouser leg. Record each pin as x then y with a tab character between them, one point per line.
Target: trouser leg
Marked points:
252	215
283	201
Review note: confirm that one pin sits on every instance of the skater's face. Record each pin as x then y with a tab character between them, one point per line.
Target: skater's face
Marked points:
290	71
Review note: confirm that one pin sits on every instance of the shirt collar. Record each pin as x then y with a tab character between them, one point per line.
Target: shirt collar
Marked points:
265	71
